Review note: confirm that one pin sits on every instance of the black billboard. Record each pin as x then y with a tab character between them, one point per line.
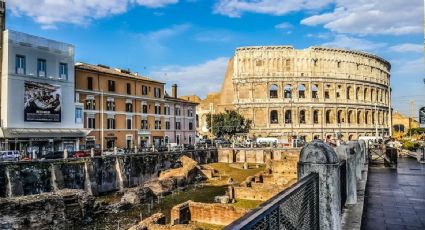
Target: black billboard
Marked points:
42	102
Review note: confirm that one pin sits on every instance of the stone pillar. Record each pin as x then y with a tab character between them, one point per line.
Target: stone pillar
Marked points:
346	152
135	149
90	185
358	153
65	154
115	150
92	152
318	157
363	148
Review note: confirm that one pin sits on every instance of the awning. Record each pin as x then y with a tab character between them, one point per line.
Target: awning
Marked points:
40	132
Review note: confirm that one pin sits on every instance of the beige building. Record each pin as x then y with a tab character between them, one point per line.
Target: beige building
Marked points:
311	93
402	124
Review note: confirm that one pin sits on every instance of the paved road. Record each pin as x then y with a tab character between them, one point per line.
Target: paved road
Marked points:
395	198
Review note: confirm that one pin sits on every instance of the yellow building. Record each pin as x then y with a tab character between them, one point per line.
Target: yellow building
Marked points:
402	124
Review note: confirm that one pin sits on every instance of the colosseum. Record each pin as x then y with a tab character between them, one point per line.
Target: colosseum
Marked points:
312	93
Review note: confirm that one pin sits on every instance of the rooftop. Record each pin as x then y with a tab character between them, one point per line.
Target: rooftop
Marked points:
113	71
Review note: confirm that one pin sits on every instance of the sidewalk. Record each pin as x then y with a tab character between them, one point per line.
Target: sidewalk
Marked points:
395	198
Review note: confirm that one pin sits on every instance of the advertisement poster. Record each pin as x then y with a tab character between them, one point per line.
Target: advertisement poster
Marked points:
42	102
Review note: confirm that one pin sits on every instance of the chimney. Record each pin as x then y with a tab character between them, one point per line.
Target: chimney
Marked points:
174	90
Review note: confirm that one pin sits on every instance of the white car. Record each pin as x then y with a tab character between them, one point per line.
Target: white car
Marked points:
10	155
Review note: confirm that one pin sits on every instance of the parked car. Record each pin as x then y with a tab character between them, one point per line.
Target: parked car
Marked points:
174	147
188	147
9	155
204	141
79	154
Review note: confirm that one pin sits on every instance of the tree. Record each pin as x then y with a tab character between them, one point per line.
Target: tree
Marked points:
228	124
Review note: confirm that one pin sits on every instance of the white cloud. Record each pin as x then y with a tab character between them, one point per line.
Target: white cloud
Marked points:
197	79
81	12
153	41
363	17
408	67
283	25
344	41
235	8
408	47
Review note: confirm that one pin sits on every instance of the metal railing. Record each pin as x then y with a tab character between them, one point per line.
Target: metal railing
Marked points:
295	208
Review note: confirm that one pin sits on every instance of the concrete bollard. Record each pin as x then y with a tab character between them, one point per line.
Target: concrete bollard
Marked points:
65	154
135	149
92	152
318	157
115	150
345	152
358	153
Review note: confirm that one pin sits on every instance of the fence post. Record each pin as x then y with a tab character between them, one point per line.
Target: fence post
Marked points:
355	145
345	152
318	157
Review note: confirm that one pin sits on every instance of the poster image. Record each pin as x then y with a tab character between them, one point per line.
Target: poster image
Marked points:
42	102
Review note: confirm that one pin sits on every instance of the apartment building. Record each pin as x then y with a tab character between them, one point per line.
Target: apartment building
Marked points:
122	108
38	111
180	124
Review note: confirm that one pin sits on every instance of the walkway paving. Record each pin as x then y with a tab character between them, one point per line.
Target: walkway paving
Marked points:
395	198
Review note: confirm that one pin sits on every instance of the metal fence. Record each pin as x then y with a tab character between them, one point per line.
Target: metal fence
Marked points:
295	208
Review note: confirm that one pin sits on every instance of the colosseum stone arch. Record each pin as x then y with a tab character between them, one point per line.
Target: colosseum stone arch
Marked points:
316	92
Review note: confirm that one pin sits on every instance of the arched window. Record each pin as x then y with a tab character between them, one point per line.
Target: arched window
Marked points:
287	91
327	91
302	117
301	91
366	118
372	95
348	92
350	137
365	94
273	91
328	116
359	113
373	118
339	118
316	116
357	93
274	117
350	116
288	116
314	91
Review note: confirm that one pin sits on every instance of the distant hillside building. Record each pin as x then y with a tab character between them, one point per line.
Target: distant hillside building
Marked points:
402	124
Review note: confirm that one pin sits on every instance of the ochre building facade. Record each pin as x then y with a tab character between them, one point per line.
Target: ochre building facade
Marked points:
311	93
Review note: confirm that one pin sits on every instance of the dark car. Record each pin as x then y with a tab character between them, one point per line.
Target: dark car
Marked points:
57	155
188	147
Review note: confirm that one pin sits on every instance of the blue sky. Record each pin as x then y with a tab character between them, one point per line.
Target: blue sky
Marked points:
189	42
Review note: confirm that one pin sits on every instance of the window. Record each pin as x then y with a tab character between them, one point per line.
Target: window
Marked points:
338	64
398	128
287	91
339	117
144	108
157	124
167	125
328	116
190	125
301	91
128	123
128	107
358	117
302	117
357	93
110	105
316	117
274	117
350	117
41	67
89	83
178	125
166	110
166	140
63	71
79	115
111	123
177	111
365	94
157	92
111	86
144	90
348	92
144	124
314	90
366	118
157	109
288	116
91	123
90	104
190	113
20	64
273	90
128	88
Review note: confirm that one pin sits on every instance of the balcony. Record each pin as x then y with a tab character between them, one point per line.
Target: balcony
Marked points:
143	132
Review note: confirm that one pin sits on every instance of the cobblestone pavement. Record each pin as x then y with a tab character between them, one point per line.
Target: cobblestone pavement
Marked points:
395	198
